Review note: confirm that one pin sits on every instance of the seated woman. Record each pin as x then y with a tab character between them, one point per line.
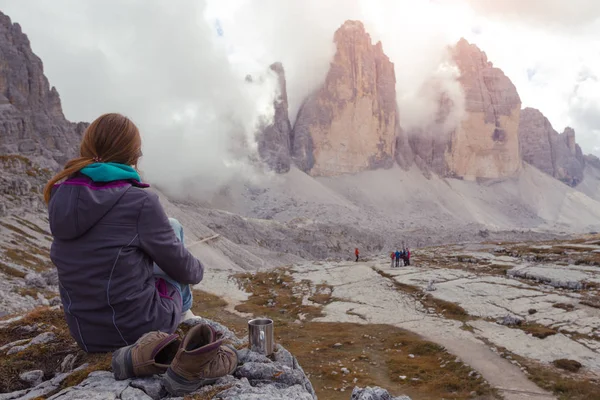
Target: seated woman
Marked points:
122	268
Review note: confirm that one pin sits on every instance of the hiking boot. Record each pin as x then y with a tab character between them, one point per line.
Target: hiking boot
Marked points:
151	354
201	360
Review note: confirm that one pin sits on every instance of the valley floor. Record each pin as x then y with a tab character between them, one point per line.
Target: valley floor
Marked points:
509	311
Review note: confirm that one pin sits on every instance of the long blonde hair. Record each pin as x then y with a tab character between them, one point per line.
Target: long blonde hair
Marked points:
110	138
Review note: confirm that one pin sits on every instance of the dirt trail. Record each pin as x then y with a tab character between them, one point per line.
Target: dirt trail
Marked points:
366	292
507	378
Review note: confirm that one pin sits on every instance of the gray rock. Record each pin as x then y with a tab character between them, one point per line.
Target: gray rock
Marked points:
375	393
98	385
40	390
16	343
511	320
151	386
14	395
27	329
431	286
260	373
35	280
68	363
245	356
55	301
132	393
284	357
243	390
51	277
42	338
34	377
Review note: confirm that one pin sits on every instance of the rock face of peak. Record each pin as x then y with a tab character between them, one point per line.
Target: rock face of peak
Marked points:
556	154
31	119
486	144
274	139
349	125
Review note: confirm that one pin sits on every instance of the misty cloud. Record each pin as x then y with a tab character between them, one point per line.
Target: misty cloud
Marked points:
162	66
178	68
571	14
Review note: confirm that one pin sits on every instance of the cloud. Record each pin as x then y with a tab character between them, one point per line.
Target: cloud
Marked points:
178	70
163	66
569	15
415	35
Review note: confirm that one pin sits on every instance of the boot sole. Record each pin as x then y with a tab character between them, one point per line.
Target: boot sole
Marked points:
122	364
177	386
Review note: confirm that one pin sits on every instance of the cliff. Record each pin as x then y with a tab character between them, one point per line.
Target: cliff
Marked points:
32	122
486	143
556	154
350	124
274	139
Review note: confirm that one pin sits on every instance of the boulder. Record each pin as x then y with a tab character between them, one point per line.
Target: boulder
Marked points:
375	393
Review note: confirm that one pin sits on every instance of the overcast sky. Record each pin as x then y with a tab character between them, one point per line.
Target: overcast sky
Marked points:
177	67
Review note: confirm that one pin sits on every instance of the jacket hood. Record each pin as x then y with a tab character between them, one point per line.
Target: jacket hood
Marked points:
110	172
77	204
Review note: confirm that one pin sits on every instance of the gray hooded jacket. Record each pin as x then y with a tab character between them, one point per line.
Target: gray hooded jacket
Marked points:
106	238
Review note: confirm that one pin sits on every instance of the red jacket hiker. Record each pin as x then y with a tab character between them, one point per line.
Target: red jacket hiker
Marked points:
356	252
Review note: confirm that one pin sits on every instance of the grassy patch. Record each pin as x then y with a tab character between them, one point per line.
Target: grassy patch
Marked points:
564	306
10	271
16	230
565	385
446	308
275	293
591	301
47	357
28	258
209	306
537	330
33	292
6	158
32	226
567	365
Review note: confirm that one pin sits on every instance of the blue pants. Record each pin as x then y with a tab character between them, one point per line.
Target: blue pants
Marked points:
184	290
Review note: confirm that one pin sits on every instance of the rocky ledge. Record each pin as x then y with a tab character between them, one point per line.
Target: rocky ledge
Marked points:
257	376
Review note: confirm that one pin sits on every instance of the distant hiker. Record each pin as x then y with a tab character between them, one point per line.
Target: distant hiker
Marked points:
407	256
397	259
356	253
393	256
123	270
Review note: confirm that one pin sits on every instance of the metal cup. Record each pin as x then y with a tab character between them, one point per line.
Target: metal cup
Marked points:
260	336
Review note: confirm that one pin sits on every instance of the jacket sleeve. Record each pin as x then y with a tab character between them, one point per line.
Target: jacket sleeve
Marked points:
158	240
